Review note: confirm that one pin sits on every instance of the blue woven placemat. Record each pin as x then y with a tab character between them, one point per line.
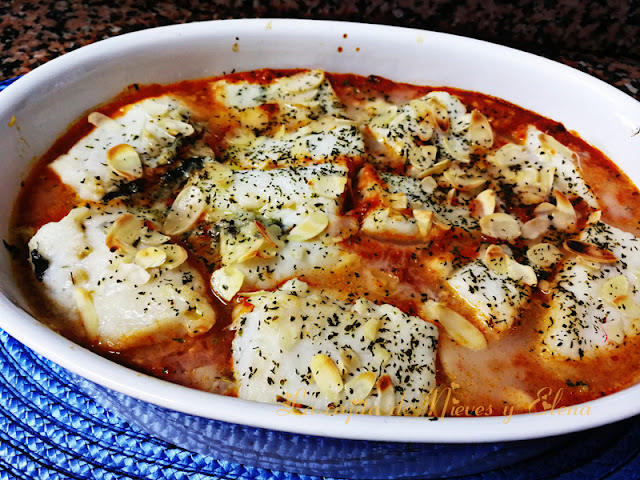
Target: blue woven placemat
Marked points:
52	429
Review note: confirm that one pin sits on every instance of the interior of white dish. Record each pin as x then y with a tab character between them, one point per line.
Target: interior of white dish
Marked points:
46	101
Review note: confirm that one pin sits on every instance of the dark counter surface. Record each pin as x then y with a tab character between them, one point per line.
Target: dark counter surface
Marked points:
602	40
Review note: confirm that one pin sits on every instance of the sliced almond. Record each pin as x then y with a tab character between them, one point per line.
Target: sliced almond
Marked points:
594	217
425	162
150	257
381	355
226	282
424	219
87	311
359	387
175	256
428	185
463	182
399	201
329	186
484	204
500	225
124	232
460	329
349	360
440	113
313	225
564	216
496	260
535	228
265	234
186	209
544	255
100	120
386	395
615	289
522	273
589	251
370	328
545	208
125	161
301	82
480	132
435	169
325	373
152	238
510	155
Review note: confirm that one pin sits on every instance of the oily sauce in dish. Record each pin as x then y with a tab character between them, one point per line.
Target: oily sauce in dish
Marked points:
386	269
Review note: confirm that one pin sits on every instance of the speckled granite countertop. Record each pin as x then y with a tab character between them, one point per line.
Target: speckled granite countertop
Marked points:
601	38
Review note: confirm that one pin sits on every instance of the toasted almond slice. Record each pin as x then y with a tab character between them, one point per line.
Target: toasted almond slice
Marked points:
451	195
428	185
463	183
615	289
175	256
359	388
186	209
500	225
370	328
545	208
510	155
496	260
313	225
87	311
422	163
265	234
328	186
424	218
480	132
125	161
536	227
381	355
399	201
150	257
594	217
152	237
100	120
440	114
484	204
589	251
301	82
386	395
564	217
522	273
544	255
349	360
325	373
226	282
124	232
460	329
554	146
436	169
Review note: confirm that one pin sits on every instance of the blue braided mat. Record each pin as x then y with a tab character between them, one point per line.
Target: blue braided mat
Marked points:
54	425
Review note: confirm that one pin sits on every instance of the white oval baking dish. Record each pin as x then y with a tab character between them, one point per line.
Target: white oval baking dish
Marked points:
47	100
